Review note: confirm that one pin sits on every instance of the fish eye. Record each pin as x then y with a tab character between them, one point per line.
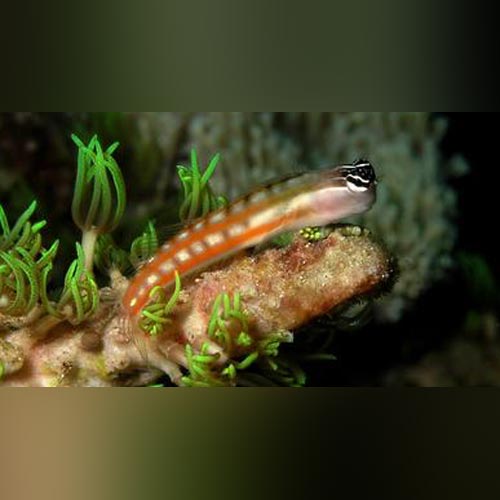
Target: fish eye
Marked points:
360	176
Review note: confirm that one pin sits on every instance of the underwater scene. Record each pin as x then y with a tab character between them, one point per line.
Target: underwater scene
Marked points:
220	249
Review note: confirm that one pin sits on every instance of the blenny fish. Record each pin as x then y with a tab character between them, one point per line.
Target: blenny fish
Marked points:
313	198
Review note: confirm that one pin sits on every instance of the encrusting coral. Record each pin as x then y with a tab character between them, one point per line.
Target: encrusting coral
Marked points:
308	280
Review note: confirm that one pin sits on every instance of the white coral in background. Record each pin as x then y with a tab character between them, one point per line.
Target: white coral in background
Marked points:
415	206
252	149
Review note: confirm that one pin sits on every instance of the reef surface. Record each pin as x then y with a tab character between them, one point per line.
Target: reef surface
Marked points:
280	288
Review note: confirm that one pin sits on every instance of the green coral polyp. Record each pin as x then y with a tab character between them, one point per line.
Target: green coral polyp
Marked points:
23	231
99	195
225	312
99	198
202	370
144	246
286	372
155	316
80	290
198	196
244	340
24	263
314	233
229	328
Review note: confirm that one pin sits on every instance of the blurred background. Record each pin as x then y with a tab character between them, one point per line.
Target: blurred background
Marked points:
438	175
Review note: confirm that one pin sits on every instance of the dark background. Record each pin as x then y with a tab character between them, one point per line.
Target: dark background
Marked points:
438	317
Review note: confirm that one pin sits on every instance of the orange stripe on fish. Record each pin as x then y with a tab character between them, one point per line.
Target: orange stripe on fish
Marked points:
310	199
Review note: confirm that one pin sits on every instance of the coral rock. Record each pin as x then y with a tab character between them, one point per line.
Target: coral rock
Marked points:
281	289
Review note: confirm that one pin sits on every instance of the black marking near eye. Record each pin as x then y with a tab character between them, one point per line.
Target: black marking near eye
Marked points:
360	174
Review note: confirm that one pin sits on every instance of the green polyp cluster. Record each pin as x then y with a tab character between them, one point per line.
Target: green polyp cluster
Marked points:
24	234
80	296
227	315
228	327
314	233
284	371
25	266
144	246
24	263
155	316
202	368
198	196
99	196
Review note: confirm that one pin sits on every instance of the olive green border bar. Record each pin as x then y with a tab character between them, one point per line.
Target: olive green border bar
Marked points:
255	443
234	54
